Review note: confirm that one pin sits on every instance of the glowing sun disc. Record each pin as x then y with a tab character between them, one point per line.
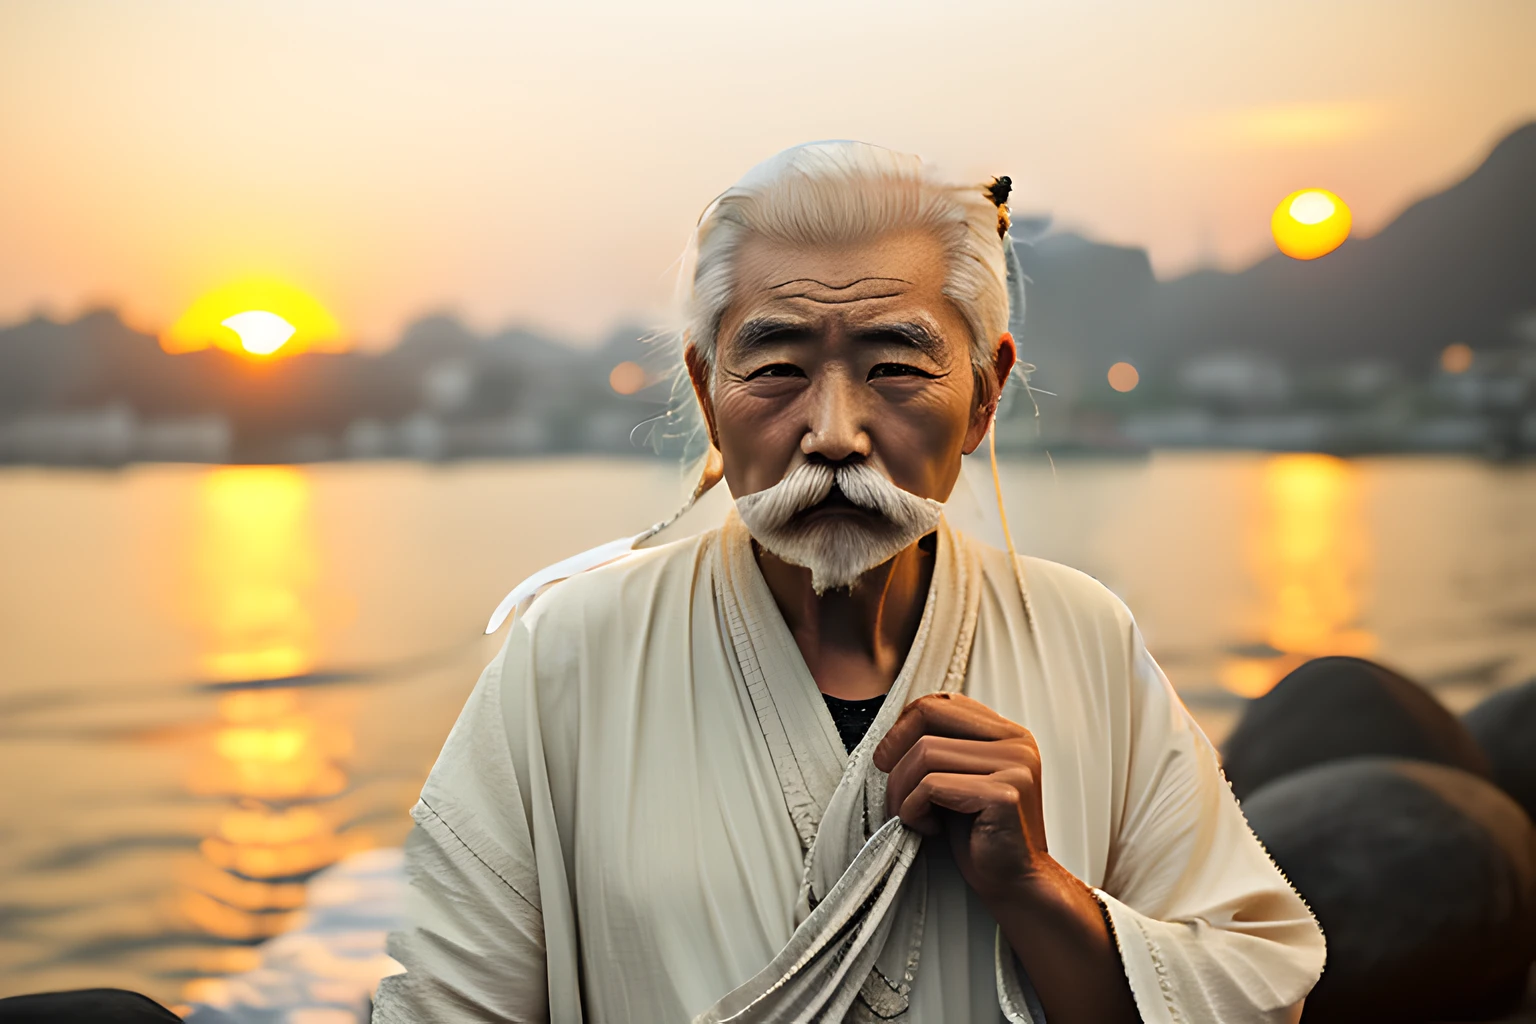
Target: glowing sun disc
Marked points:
261	333
209	320
1312	207
1310	223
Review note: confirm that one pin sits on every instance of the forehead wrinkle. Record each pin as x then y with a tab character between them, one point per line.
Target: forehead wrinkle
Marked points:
860	289
834	287
843	302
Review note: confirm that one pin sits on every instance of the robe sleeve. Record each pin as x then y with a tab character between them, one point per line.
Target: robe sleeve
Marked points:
1207	926
473	942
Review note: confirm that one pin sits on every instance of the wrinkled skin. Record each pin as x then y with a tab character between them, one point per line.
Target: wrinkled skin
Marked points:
948	752
855	353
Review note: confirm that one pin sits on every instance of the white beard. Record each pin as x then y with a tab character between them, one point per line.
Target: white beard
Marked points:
837	550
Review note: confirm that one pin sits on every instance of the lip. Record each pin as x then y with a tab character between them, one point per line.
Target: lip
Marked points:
835	503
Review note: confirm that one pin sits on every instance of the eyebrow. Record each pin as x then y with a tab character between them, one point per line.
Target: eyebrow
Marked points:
758	332
912	334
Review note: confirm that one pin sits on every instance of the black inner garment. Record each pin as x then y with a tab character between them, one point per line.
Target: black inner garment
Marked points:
853	717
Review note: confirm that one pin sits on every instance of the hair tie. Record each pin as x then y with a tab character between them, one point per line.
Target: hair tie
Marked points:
998	193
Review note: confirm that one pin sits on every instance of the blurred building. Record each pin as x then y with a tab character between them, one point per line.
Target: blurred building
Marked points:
1422	337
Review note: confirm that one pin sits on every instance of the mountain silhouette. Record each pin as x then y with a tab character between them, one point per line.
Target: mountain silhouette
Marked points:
1456	266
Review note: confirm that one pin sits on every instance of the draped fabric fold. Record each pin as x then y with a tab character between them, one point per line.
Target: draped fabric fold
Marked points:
864	892
645	813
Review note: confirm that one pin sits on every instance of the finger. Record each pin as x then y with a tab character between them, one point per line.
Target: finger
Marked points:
942	714
930	753
963	794
1026	782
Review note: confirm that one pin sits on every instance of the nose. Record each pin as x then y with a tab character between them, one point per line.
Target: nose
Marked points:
835	428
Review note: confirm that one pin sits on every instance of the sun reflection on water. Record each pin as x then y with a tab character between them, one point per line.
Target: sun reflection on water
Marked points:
277	762
255	566
1308	551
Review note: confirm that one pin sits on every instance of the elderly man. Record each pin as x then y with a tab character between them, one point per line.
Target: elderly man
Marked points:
836	761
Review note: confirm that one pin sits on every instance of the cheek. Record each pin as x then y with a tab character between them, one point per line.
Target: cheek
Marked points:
749	408
759	434
919	435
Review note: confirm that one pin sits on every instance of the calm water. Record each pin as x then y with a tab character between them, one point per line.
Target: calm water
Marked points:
163	800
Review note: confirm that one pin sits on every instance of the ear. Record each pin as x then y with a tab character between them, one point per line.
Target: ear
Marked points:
989	389
699	374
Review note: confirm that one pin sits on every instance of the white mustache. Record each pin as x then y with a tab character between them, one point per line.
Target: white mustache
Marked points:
837	551
809	484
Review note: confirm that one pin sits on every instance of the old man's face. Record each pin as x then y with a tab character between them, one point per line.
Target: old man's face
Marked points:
845	357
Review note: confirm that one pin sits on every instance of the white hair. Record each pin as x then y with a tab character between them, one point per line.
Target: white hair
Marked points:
835	193
839	193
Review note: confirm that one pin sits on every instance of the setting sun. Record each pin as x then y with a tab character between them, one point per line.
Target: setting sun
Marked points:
1310	223
256	316
261	333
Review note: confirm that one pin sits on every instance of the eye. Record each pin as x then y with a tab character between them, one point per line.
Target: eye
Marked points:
898	370
776	370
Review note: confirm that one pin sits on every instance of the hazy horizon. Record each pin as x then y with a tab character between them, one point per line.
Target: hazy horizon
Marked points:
393	161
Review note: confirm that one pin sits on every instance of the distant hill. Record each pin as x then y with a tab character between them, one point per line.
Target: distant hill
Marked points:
441	390
1457	266
1079	299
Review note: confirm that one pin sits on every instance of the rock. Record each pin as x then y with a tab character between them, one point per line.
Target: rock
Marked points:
1337	707
1504	725
1423	878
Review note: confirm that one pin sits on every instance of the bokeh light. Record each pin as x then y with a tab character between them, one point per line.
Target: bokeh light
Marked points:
1456	358
1123	377
1310	223
628	378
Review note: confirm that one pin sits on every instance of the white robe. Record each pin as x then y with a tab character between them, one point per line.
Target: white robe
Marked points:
605	836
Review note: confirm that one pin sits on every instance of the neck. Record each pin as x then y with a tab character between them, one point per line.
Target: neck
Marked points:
853	641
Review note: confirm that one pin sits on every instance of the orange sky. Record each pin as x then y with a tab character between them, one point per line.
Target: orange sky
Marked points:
544	166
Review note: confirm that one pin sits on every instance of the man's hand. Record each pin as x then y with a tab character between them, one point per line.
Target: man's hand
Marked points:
958	767
948	752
